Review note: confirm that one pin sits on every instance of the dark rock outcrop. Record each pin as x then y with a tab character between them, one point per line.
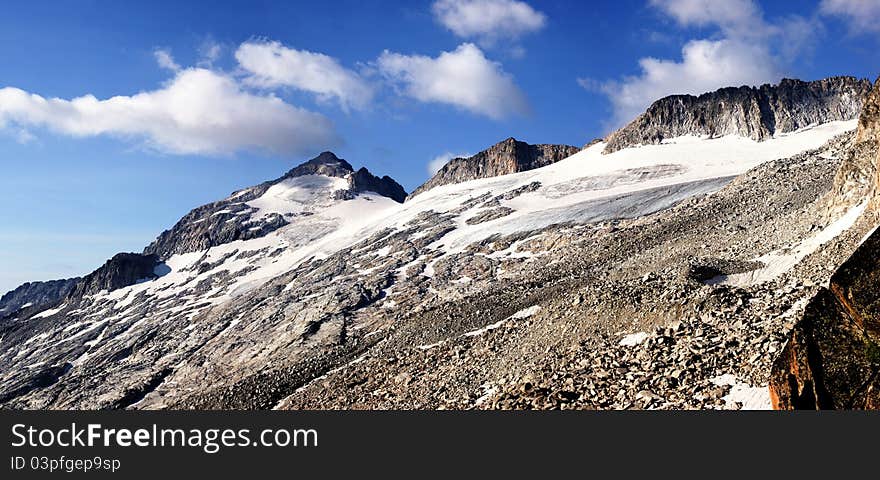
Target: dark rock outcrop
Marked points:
215	224
36	295
364	181
832	358
122	270
231	219
509	156
756	113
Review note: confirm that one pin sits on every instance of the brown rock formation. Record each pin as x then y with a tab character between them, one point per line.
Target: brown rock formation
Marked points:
832	358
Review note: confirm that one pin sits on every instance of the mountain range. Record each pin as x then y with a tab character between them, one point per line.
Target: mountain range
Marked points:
698	257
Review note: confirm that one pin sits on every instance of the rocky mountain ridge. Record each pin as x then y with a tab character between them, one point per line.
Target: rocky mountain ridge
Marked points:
505	157
38	295
758	113
122	270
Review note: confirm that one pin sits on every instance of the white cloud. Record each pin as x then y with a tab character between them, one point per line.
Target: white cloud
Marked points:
705	66
862	15
209	52
488	20
731	15
464	78
199	111
748	51
437	162
271	64
165	60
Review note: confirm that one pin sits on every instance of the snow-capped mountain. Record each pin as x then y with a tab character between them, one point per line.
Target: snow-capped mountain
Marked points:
657	275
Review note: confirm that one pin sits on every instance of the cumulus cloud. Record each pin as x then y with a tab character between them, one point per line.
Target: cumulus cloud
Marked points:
270	65
740	16
488	20
862	15
464	78
436	163
199	111
705	66
747	51
165	60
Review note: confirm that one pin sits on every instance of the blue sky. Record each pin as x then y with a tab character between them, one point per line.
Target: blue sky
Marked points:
214	96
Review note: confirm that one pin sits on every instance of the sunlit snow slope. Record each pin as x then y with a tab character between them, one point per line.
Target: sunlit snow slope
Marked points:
586	187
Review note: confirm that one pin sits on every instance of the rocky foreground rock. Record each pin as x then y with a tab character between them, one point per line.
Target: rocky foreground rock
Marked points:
832	357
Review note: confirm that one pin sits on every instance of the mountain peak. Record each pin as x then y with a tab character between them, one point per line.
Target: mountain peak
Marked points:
327	163
758	113
507	156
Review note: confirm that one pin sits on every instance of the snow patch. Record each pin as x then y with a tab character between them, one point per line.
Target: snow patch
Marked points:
50	312
780	261
524	313
633	339
743	396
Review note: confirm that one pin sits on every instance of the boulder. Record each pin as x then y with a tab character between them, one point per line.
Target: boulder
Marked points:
832	357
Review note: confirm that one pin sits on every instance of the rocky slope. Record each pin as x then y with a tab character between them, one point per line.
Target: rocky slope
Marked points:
36	295
508	156
660	277
832	357
756	113
857	177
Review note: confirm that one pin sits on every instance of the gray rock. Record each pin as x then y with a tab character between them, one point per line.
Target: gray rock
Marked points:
508	156
756	113
122	270
36	295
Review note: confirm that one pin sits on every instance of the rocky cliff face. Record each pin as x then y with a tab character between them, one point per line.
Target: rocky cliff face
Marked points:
756	113
35	295
509	156
122	270
215	224
857	177
364	181
233	219
832	358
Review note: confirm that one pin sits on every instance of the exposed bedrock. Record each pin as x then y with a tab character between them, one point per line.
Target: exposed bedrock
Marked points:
758	113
